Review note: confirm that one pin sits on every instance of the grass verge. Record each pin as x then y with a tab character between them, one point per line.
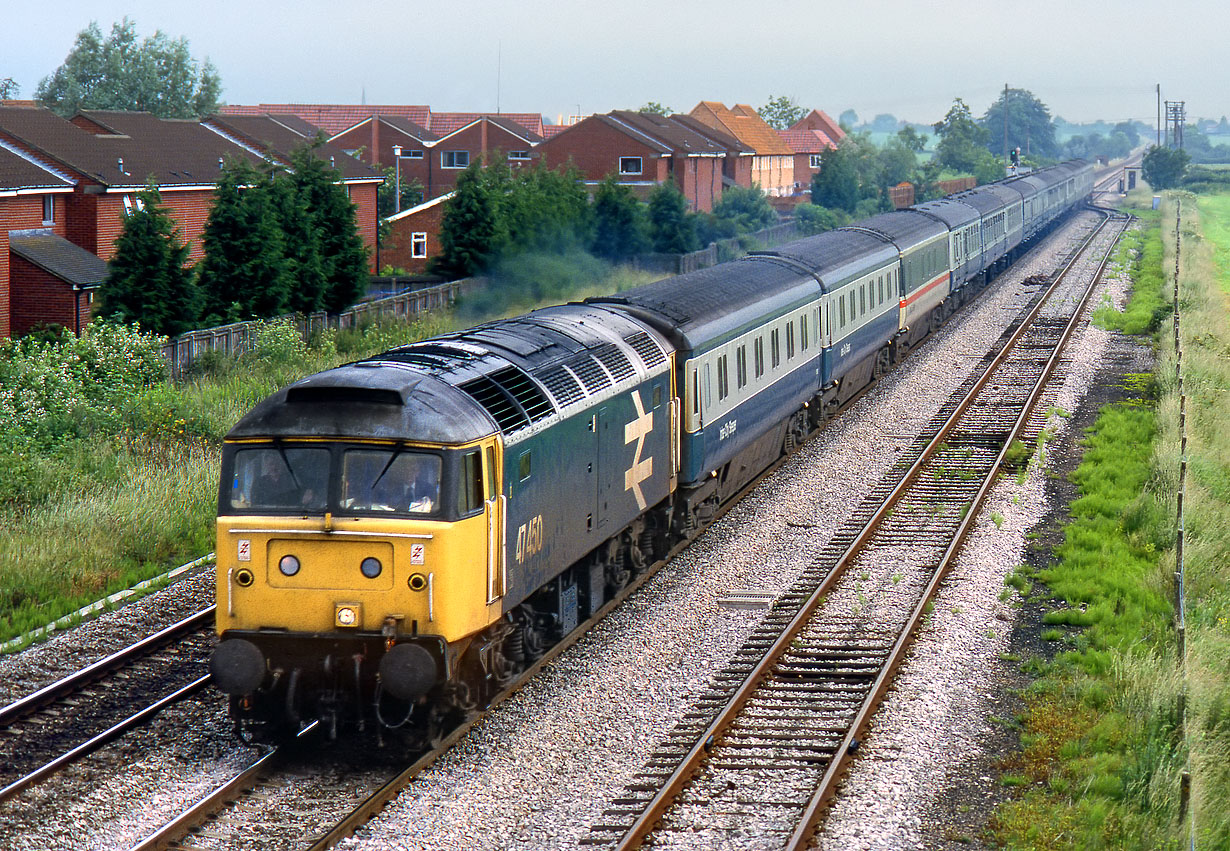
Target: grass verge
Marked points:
1114	718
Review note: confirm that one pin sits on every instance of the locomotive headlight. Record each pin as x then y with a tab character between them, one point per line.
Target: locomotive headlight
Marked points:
370	567
289	565
346	614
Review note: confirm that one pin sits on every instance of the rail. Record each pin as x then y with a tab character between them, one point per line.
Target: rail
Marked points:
675	779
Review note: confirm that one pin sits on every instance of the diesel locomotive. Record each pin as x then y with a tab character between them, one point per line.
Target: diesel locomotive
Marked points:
398	537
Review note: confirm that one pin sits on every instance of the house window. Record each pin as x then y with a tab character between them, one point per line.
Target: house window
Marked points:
454	159
518	155
49	209
132	204
629	165
418	244
815	161
418	155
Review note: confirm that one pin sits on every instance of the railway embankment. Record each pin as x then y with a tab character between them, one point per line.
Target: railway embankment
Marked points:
1122	725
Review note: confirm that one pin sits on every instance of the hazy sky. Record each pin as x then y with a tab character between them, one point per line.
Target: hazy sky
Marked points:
1085	60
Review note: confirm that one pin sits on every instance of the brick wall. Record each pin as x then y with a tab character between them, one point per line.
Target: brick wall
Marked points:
363	195
399	252
595	148
482	136
21	212
41	298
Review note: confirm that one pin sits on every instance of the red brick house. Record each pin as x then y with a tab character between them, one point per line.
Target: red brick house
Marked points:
773	162
478	141
373	139
32	199
414	236
808	147
821	122
333	118
92	168
737	162
643	151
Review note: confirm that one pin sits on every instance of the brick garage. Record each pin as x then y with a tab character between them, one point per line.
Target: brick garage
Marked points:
414	236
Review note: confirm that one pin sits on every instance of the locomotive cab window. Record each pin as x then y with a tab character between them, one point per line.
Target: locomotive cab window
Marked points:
293	479
390	481
470	486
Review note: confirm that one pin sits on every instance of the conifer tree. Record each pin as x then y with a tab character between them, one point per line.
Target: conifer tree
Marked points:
244	274
305	268
147	281
343	256
619	222
471	233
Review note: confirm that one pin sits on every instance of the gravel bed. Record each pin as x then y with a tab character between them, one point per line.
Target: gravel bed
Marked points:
538	771
70	650
946	699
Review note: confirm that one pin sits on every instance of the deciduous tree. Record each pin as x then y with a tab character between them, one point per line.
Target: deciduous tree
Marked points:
782	112
9	88
671	228
157	74
963	141
147	280
836	184
1163	167
619	222
1029	125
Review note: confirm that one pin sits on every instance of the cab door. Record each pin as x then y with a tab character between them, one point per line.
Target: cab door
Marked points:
496	510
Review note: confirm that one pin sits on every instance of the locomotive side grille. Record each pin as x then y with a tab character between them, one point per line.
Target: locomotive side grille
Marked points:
562	385
615	361
591	374
511	397
648	350
522	388
507	414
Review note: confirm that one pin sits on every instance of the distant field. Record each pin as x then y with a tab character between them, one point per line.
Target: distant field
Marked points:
1215	220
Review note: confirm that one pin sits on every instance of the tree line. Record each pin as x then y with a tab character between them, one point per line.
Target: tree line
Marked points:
497	213
277	240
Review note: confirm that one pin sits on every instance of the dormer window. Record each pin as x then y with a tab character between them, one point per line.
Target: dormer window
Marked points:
630	165
49	209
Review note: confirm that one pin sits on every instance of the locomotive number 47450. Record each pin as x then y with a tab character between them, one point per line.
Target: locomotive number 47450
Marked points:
529	539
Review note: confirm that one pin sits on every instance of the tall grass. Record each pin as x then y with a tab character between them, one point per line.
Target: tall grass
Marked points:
1102	737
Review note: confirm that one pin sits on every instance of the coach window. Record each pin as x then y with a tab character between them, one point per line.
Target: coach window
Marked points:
758	356
721	378
789	341
841	303
775	346
695	395
862	300
803	332
741	366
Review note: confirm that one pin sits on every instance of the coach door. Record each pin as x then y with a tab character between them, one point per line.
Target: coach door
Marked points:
495	508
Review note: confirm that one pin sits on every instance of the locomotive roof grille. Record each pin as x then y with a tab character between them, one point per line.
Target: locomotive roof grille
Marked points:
615	361
592	375
649	351
513	400
563	386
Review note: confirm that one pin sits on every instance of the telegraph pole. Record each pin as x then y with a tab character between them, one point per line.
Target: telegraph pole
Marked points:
1159	115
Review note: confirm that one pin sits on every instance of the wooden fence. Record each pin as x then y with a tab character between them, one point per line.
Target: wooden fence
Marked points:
240	337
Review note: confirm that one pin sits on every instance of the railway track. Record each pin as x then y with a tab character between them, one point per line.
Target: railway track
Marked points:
92	707
761	753
248	806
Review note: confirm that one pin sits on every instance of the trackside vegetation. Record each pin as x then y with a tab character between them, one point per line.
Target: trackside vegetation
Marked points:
108	469
1121	710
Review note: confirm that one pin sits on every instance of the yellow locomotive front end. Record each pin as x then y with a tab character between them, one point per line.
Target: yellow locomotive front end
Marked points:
353	571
